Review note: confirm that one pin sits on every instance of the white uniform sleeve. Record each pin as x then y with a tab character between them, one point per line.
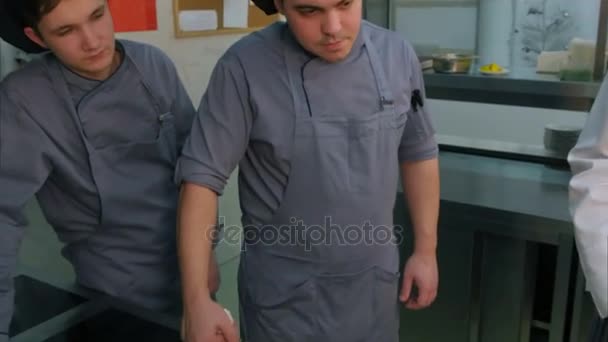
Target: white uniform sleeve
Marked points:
589	199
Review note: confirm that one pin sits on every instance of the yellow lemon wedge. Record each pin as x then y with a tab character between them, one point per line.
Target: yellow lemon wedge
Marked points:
493	67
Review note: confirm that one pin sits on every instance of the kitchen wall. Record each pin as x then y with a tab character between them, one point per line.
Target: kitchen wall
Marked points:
549	25
194	59
508	31
447	27
522	125
454	24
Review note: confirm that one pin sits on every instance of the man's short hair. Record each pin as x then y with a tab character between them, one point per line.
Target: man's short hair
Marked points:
34	10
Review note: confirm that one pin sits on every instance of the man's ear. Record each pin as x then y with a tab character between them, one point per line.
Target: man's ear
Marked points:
33	36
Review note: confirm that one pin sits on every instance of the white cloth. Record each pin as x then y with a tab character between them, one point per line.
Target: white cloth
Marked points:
589	199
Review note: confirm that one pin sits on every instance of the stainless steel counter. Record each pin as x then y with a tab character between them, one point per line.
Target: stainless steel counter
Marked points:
503	189
521	87
506	185
55	310
506	241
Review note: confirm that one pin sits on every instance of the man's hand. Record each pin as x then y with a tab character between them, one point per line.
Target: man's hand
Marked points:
204	320
208	322
420	271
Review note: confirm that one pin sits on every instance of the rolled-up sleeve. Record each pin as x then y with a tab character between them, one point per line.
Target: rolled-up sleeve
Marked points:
220	131
418	141
23	170
589	199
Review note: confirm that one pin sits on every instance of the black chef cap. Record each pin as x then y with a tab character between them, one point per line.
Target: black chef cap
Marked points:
266	5
12	25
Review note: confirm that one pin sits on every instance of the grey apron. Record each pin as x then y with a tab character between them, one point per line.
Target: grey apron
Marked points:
131	253
312	273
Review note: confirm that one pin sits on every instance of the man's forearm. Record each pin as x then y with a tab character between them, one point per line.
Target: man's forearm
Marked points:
196	223
421	190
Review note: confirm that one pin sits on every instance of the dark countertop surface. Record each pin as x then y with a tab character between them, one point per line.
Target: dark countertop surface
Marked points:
521	87
507	185
518	80
51	312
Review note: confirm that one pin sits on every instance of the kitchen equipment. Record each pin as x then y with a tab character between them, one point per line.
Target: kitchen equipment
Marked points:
452	63
551	61
582	53
426	63
495	73
493	69
561	138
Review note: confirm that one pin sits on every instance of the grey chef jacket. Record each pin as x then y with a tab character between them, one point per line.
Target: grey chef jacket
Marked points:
244	116
100	158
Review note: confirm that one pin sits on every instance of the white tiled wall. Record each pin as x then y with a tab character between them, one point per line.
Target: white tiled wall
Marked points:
445	27
455	27
194	59
522	125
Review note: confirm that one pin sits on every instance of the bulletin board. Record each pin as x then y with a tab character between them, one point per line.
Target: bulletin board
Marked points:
194	18
133	15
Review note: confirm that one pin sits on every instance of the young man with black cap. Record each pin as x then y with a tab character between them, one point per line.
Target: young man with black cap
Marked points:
93	129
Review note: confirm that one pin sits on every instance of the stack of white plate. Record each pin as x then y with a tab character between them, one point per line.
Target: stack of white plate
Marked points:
561	138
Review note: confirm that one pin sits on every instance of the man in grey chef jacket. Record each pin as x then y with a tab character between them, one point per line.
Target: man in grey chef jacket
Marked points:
322	114
93	129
